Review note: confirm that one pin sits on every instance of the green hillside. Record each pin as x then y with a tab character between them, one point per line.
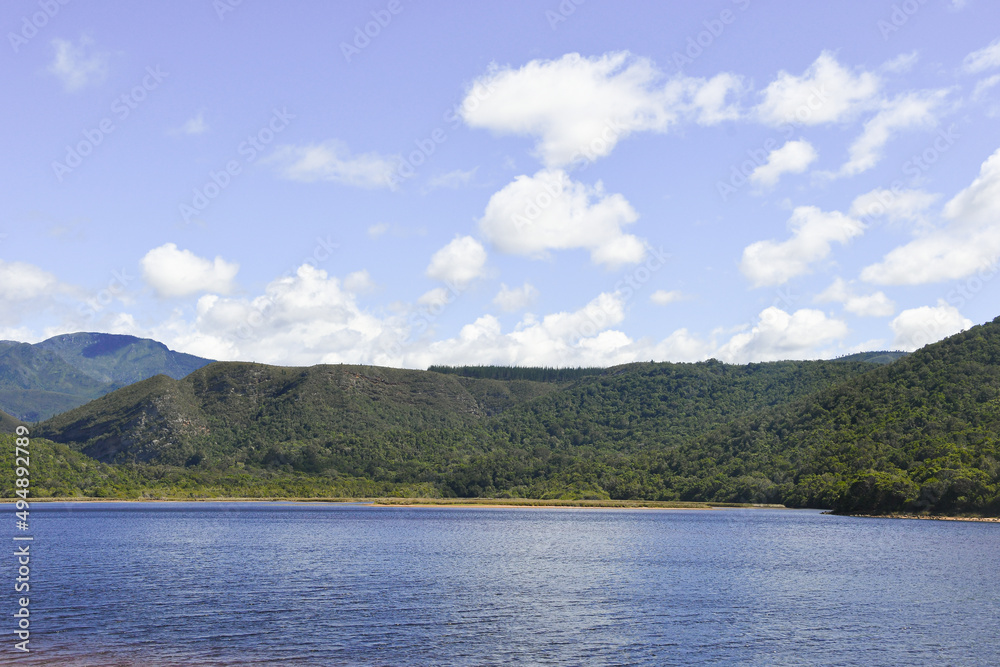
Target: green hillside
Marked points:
872	433
8	423
461	435
920	434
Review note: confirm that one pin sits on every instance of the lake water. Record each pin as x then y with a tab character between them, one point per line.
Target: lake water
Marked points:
329	584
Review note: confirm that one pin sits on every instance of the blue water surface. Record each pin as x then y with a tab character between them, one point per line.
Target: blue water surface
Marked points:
331	584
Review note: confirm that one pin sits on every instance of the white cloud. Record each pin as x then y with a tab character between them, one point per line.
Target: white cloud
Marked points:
870	305
895	205
813	230
663	297
20	281
510	299
195	125
780	335
578	338
302	319
579	108
710	100
917	327
792	158
452	179
985	58
915	109
826	93
173	272
332	161
460	262
968	243
78	65
548	211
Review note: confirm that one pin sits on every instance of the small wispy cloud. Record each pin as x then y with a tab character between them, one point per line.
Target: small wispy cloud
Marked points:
195	125
453	179
78	65
333	161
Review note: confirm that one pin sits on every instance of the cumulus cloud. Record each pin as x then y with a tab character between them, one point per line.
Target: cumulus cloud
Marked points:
174	272
580	108
985	58
917	327
78	65
333	161
968	242
865	305
548	211
792	158
827	92
510	299
911	110
780	335
301	319
460	262
581	337
813	232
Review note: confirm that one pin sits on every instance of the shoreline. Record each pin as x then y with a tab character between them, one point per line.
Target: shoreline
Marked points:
927	517
457	503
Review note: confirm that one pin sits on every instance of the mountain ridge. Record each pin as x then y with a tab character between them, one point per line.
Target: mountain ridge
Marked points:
40	380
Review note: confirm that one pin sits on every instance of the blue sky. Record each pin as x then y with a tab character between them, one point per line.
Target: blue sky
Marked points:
536	183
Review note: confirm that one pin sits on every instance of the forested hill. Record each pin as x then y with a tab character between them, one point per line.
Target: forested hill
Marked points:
464	435
920	434
868	434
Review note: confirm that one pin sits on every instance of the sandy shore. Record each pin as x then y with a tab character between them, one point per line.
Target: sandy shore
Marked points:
497	503
927	517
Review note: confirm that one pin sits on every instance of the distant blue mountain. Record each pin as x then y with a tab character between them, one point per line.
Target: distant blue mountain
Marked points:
61	373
